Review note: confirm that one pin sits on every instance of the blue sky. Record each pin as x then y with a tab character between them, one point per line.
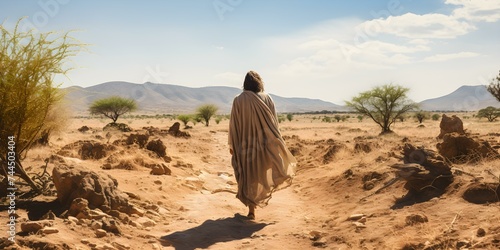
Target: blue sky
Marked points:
329	50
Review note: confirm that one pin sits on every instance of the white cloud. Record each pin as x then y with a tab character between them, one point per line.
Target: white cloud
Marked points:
447	57
476	10
409	25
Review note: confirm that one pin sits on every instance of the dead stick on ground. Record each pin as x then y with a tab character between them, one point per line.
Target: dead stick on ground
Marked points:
453	221
380	189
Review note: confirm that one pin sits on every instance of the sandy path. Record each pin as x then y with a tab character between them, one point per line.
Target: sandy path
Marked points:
216	221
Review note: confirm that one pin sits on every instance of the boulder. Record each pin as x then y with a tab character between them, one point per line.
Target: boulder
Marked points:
460	148
139	139
482	193
176	131
158	147
86	149
159	169
77	182
450	125
35	226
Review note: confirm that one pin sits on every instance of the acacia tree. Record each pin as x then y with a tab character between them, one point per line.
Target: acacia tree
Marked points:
490	113
206	112
494	87
383	104
421	116
112	107
28	63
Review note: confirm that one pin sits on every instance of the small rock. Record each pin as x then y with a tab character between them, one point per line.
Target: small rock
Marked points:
111	226
362	220
356	216
415	219
136	210
480	232
96	225
106	246
97	214
314	235
120	246
145	222
49	230
85	241
157	182
359	224
72	219
99	233
106	166
35	226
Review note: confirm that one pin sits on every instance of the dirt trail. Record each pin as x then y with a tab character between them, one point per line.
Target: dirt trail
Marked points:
217	221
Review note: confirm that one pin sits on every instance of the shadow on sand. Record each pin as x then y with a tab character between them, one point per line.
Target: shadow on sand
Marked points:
211	232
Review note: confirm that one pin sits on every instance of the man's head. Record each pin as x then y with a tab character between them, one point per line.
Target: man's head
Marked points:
253	82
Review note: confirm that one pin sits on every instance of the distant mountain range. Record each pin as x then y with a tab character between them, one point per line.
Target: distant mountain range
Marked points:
168	98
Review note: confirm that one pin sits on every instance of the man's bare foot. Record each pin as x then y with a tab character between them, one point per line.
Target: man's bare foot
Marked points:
251	212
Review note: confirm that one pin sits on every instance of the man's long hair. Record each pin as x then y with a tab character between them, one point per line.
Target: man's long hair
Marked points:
253	82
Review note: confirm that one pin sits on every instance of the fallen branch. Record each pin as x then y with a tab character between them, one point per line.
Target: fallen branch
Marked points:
394	180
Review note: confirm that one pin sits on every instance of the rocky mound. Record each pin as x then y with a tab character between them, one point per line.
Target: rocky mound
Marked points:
460	148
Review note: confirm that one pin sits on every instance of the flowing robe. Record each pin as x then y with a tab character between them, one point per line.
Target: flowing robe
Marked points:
260	159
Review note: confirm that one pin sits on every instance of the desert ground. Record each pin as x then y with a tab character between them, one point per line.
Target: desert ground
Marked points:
194	206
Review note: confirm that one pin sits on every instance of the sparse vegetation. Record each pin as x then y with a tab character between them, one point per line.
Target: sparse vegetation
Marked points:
289	117
184	119
383	104
421	116
435	117
112	107
494	87
490	113
205	112
29	61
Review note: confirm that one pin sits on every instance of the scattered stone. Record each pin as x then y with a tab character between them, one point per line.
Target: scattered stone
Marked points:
450	125
77	182
175	131
96	225
415	219
83	129
158	147
359	225
49	230
315	235
145	222
106	246
120	246
138	139
159	169
79	208
86	149
99	233
111	226
481	232
106	166
35	226
355	216
73	219
482	193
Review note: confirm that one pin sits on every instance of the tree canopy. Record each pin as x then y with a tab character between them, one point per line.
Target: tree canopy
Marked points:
494	87
28	63
206	112
383	104
112	107
490	113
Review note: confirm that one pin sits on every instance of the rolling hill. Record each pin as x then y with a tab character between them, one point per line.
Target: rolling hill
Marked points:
465	98
168	98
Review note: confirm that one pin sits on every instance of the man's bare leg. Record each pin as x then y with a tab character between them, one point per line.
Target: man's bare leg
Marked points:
251	212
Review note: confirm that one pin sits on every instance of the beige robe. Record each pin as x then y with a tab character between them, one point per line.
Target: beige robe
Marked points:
260	159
